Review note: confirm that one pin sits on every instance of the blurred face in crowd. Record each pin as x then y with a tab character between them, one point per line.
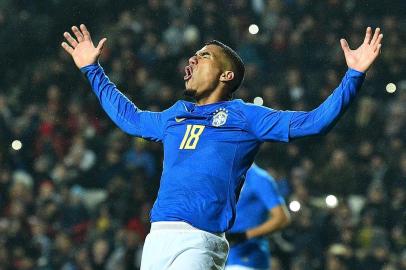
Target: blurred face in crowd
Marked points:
63	243
100	250
335	263
338	159
208	69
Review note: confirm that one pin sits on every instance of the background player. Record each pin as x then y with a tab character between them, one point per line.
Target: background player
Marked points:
261	210
209	145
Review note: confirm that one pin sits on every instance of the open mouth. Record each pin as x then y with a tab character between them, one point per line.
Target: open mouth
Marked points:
188	73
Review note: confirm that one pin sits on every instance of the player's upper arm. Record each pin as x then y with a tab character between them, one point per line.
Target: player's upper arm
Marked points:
268	124
123	112
149	125
274	202
281	214
268	193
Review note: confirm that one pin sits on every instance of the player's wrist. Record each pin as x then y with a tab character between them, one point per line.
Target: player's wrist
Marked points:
89	67
356	71
249	234
235	238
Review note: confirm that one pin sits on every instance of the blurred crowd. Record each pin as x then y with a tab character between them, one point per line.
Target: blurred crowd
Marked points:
77	193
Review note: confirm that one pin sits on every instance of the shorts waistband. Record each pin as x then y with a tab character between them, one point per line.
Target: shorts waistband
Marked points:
178	225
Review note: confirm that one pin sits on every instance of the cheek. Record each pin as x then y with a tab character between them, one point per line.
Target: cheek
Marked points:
210	75
205	78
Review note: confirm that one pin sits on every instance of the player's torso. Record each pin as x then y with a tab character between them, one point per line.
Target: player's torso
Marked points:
207	139
207	150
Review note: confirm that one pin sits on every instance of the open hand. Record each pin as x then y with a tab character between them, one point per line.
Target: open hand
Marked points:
82	49
362	58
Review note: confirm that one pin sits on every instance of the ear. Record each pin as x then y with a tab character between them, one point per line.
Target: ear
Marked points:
227	76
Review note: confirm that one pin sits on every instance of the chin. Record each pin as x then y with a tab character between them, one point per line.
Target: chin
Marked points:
190	92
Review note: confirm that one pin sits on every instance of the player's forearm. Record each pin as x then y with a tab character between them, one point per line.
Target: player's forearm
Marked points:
279	218
321	119
268	227
121	110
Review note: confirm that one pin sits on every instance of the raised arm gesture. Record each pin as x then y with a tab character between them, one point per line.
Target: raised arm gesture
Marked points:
81	48
362	58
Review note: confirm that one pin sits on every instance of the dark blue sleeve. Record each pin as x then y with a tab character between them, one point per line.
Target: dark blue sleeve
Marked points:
323	118
121	110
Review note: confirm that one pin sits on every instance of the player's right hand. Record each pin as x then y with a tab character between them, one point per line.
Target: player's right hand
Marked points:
81	48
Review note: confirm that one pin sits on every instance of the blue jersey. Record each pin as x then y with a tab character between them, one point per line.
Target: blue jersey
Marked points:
208	149
258	196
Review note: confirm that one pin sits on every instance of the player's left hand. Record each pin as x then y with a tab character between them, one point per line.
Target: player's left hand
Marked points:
362	58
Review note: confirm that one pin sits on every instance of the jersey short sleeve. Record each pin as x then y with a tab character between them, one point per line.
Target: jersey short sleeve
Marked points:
268	193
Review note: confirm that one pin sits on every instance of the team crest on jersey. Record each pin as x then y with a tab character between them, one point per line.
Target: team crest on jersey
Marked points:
220	117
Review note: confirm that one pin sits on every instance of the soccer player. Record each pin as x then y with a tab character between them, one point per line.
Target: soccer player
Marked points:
261	210
209	145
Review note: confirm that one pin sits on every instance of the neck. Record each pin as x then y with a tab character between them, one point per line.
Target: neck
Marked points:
213	97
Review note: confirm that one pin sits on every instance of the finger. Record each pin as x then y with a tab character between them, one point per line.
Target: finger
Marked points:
344	45
375	37
378	49
70	39
85	32
101	44
368	35
67	48
379	40
77	33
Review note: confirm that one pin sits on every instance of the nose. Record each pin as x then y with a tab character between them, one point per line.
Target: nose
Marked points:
193	60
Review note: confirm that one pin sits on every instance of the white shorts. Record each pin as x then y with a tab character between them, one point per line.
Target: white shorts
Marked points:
180	246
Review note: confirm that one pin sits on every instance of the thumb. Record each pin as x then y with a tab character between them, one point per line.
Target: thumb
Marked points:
101	44
344	45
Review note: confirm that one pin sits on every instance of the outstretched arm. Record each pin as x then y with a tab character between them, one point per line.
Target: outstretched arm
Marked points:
270	124
321	119
122	111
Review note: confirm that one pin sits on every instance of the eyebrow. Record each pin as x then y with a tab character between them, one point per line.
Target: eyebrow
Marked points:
204	53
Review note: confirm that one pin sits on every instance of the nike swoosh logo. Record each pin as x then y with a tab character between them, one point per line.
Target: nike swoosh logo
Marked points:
178	120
